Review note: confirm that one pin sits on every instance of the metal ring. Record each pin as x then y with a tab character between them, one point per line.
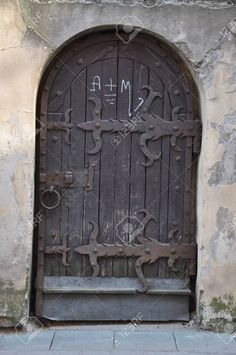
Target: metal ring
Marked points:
52	191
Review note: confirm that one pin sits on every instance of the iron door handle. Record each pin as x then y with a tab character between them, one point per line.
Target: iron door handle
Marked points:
52	191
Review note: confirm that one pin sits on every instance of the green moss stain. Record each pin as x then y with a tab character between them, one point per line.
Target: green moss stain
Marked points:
219	315
12	302
226	304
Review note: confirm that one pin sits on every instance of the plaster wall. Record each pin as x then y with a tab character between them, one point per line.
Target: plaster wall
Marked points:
203	33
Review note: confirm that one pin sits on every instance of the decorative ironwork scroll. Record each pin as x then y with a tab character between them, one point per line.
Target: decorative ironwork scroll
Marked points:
62	126
150	125
148	250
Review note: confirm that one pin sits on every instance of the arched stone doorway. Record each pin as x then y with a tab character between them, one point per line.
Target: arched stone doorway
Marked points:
119	137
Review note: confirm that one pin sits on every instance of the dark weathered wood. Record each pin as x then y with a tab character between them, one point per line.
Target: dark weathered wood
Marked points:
137	171
108	162
53	217
65	193
76	162
91	198
163	227
153	175
91	101
123	155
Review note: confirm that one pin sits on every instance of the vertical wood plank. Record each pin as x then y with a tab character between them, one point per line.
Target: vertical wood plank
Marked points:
53	162
153	174
165	158
122	174
91	198
137	176
64	205
176	190
76	163
108	160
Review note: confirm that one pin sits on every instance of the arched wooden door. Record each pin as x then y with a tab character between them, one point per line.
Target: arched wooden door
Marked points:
119	133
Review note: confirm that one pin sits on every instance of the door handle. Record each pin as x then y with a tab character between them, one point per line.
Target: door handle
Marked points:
51	191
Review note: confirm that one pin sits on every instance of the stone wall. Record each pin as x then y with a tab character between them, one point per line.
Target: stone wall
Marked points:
203	32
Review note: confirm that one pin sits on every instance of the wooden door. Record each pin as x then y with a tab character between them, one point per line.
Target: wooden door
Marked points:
119	136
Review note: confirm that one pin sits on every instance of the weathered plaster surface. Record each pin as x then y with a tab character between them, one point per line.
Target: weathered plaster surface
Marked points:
217	188
21	59
57	22
30	31
146	3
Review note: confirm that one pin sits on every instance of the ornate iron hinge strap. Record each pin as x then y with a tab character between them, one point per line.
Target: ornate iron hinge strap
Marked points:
148	250
60	249
150	125
65	126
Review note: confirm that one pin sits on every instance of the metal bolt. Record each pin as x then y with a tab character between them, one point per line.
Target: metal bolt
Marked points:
177	92
178	158
80	61
175	128
173	251
177	188
147	251
110	48
54	139
158	64
97	125
151	127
